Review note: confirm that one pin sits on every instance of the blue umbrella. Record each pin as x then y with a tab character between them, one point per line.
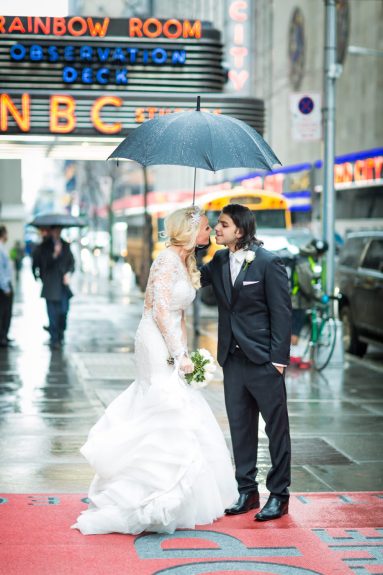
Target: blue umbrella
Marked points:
198	139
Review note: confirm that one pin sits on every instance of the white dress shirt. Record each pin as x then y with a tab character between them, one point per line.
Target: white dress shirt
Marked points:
236	262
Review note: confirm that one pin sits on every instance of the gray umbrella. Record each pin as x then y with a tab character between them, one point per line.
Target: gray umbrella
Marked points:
60	220
198	139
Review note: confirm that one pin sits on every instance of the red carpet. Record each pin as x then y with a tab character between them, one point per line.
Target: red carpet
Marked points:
324	533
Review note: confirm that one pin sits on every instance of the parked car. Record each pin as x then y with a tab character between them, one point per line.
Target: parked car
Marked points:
360	283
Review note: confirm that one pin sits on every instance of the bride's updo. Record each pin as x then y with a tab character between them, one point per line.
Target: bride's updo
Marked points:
181	228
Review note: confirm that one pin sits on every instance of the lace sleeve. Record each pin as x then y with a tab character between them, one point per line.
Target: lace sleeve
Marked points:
164	273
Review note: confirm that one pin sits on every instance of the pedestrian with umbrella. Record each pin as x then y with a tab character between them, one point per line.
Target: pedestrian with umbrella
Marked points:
53	263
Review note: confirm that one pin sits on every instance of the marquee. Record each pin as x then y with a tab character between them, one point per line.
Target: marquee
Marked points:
85	76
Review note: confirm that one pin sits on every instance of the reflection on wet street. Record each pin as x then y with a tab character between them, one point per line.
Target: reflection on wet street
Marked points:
49	399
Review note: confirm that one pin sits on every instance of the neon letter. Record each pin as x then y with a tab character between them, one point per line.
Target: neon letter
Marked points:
135	25
194	31
65	113
98	29
235	11
95	114
22	119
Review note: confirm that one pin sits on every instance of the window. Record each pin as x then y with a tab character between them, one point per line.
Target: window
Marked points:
373	259
351	252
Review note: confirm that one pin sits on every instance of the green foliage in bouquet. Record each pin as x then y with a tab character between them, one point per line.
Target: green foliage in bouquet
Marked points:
200	362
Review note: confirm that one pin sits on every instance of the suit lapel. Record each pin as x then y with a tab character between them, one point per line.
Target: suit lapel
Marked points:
240	277
226	278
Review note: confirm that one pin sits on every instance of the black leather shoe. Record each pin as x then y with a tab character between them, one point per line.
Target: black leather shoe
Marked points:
246	501
274	509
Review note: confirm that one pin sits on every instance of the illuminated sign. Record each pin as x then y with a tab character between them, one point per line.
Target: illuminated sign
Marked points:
81	26
239	34
369	169
138	54
109	114
87	54
85	76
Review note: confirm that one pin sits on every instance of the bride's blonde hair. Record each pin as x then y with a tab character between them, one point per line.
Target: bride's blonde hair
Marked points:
181	228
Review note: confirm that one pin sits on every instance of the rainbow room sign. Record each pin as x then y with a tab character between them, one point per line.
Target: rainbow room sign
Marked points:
86	76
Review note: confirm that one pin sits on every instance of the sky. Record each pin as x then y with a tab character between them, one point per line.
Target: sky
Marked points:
34	7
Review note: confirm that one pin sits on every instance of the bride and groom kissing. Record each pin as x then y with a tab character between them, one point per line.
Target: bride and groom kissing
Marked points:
160	458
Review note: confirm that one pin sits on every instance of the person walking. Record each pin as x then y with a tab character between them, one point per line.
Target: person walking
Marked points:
53	264
6	290
254	329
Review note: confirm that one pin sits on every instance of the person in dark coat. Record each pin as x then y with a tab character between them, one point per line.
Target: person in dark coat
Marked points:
6	290
254	329
53	264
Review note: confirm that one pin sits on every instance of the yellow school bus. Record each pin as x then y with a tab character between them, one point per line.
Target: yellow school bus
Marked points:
271	210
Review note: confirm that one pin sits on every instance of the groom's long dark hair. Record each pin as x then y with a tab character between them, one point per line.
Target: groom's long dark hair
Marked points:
244	219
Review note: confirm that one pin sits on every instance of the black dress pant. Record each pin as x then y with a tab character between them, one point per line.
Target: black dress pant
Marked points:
6	302
251	389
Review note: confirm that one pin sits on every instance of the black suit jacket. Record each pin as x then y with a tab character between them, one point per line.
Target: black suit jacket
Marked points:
257	315
52	270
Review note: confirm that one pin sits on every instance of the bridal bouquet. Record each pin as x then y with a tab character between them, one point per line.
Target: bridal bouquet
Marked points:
204	368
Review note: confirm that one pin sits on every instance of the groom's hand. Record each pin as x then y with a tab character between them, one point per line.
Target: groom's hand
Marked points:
280	368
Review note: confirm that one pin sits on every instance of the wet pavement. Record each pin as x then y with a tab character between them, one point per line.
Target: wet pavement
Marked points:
50	399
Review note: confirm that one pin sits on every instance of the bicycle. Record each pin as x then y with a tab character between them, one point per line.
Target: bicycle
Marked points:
322	333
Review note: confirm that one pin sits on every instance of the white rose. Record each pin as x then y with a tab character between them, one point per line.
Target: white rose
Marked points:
249	256
210	368
205	354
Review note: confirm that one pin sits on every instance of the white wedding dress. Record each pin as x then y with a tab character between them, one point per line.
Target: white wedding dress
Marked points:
160	458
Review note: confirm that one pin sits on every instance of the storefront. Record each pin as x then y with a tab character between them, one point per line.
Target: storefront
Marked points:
358	181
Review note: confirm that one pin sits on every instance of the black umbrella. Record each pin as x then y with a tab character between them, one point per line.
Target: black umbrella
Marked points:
59	220
198	139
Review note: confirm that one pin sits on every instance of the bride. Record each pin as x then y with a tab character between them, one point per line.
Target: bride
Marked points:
160	458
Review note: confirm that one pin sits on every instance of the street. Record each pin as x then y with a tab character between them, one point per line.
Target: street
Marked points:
50	399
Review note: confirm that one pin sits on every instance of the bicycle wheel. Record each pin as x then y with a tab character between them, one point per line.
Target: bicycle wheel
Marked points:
324	347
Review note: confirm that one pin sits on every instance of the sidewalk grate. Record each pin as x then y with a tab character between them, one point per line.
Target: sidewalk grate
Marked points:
105	366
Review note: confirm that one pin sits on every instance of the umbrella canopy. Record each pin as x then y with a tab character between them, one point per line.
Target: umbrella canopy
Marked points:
198	139
59	220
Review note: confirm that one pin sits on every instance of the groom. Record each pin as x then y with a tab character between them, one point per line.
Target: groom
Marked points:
254	322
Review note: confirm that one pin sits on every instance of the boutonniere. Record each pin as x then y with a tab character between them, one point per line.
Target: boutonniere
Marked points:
249	257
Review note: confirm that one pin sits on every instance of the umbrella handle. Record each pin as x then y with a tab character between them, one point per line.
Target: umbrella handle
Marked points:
195	177
198	103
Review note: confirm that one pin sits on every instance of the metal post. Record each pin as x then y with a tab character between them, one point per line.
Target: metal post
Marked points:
110	229
106	187
332	72
147	252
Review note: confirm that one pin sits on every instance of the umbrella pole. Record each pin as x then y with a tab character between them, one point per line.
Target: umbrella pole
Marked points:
195	176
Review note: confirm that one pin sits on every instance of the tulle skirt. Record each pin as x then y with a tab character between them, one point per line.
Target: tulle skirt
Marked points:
160	459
